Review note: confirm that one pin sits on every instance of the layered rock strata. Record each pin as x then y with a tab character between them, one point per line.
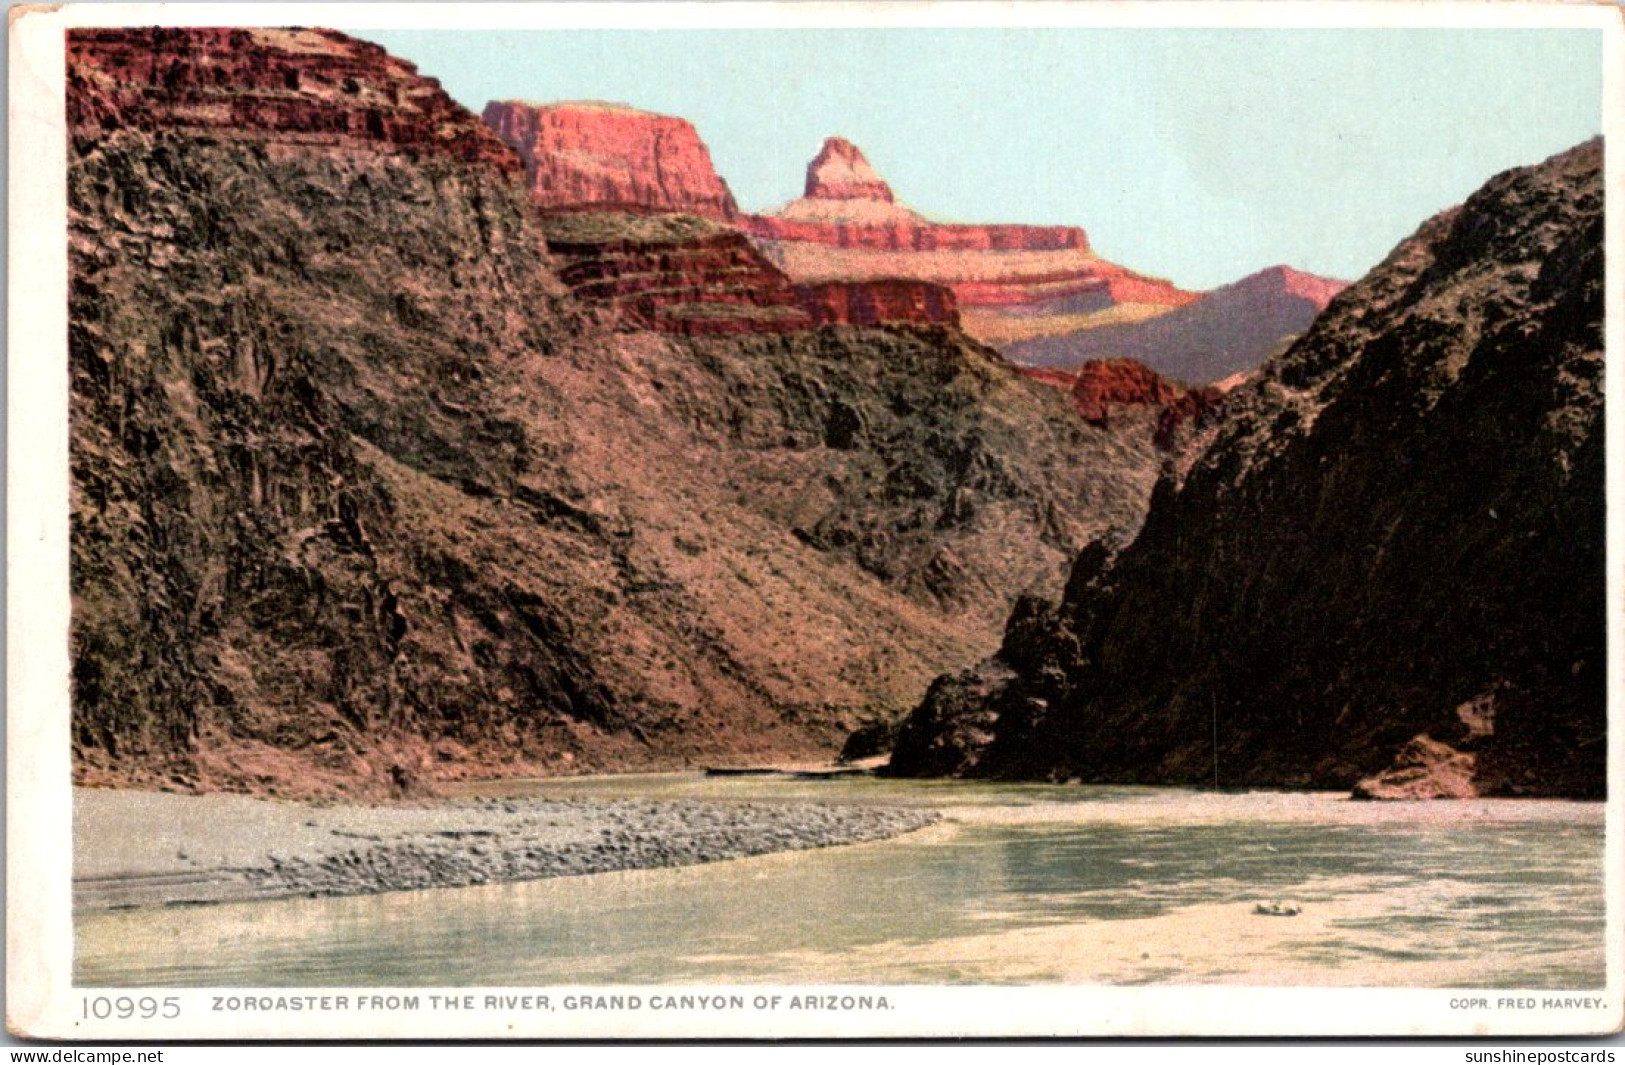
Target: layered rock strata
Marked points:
310	89
364	496
613	157
849	226
680	275
1105	391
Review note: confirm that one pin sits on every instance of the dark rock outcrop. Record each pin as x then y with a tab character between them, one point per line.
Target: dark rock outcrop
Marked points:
364	496
1402	518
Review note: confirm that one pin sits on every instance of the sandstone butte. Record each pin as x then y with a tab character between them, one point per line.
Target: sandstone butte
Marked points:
840	172
611	156
849	225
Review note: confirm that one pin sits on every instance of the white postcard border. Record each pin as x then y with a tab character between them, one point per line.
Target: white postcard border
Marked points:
41	1000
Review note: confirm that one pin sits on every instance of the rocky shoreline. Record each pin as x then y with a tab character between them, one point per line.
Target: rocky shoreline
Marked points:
147	848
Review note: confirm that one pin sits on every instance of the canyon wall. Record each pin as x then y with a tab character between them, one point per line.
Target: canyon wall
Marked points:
373	488
879	303
1385	573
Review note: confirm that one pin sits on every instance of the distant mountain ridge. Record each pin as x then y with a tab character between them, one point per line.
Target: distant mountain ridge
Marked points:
1227	331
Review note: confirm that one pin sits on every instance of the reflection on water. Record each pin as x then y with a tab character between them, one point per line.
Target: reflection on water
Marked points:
1021	884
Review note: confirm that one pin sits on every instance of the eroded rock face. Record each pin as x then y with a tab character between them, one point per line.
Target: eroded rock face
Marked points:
1402	516
847	205
1227	331
614	157
883	302
840	172
680	275
1105	390
850	227
365	497
672	274
625	193
1100	385
277	88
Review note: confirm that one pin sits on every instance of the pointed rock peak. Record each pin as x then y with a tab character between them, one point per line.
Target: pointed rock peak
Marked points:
840	172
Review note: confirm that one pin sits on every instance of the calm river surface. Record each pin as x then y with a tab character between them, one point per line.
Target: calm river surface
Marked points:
1019	884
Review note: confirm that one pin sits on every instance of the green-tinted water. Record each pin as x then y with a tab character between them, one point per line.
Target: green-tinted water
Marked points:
1020	884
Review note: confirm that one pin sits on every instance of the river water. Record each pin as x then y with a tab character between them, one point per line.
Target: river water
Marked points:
1018	884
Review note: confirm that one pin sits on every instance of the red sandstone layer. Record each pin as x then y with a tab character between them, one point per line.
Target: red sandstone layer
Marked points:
907	235
678	275
302	87
884	302
1100	387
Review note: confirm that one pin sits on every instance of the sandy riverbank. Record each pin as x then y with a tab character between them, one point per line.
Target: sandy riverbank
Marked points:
137	848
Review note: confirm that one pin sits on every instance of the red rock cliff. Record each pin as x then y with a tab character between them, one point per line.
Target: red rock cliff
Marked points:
908	235
312	88
604	155
672	274
1100	386
884	302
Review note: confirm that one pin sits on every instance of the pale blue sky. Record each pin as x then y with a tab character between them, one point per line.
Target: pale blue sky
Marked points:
1200	155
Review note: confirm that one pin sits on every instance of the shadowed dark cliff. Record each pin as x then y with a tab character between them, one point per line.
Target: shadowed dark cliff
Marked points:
1387	570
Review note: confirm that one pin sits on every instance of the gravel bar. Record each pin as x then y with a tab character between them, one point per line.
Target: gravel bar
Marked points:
149	848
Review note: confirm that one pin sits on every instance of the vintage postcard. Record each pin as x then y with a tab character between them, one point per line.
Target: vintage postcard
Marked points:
803	520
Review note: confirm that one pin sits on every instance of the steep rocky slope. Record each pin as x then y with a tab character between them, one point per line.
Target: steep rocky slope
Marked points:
612	156
364	495
1386	571
1105	392
1229	330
